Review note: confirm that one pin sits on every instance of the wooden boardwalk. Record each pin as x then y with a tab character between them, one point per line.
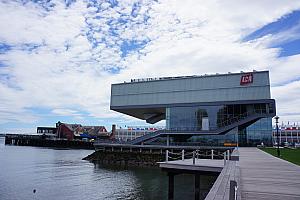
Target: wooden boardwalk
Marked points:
263	176
221	188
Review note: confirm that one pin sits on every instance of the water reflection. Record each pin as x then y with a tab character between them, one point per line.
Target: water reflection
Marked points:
152	183
63	175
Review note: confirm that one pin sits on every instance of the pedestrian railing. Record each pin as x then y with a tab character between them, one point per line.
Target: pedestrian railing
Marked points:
172	156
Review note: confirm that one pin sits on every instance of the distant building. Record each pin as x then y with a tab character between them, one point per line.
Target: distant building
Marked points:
91	132
287	134
74	131
133	132
46	130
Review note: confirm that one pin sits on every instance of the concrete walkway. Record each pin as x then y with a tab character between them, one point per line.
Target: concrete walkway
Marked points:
266	177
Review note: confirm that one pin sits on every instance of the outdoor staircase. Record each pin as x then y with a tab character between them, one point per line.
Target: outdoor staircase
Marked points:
242	120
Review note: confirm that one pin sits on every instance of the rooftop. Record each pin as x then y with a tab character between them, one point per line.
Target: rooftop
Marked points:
186	77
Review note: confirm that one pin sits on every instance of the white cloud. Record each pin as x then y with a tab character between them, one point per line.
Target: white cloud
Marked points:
67	72
287	97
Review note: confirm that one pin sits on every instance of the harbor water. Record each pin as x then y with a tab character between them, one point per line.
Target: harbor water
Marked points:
61	174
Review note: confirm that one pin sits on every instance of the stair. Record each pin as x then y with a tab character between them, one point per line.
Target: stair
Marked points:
241	120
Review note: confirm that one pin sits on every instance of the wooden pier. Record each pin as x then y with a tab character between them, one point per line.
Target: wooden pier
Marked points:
253	175
42	141
199	167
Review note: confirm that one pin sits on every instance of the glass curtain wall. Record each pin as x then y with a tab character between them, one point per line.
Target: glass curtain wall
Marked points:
257	133
201	118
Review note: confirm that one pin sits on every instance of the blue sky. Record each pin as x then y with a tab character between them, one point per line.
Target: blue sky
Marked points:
58	58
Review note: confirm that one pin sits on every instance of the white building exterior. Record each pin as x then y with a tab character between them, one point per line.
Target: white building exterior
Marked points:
133	132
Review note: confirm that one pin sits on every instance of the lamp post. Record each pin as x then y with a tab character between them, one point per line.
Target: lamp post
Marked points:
278	152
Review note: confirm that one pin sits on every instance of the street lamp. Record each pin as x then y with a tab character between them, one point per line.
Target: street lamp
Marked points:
278	152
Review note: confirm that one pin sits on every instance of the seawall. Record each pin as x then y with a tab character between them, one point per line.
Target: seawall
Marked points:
135	155
126	158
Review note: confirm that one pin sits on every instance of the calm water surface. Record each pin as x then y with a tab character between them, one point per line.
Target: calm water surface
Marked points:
58	174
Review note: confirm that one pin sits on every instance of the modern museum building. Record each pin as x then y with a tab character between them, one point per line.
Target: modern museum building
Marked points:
219	109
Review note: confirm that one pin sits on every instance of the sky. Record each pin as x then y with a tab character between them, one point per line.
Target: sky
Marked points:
58	58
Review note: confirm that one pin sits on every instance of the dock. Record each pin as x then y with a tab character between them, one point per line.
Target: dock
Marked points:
197	167
42	141
254	175
201	165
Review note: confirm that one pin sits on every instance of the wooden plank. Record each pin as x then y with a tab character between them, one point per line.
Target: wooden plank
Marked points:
266	177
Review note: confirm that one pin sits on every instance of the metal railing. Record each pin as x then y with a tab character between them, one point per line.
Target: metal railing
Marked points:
171	156
227	122
219	126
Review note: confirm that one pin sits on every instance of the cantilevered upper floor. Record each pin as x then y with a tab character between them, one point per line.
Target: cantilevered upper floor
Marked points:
148	98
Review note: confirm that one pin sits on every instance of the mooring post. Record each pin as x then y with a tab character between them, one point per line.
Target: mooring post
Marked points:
212	154
193	157
228	155
167	155
168	140
197	186
182	154
232	190
171	186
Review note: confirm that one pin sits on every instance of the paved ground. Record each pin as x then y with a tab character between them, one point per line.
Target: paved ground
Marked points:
266	177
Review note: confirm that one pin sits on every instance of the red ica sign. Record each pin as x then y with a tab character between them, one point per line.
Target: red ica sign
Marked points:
246	79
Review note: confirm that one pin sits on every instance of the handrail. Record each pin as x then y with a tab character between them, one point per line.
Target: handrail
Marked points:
194	155
221	126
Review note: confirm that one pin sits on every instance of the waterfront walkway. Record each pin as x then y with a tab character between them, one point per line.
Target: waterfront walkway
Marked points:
257	175
266	177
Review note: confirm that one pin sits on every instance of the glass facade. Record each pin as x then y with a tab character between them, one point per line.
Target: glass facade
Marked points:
212	118
205	118
257	133
260	131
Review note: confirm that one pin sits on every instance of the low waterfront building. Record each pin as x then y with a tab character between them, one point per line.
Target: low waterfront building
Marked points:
219	109
46	130
287	134
133	132
74	131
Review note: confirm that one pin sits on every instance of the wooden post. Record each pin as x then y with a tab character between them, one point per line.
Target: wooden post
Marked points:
171	186
182	154
212	154
197	186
